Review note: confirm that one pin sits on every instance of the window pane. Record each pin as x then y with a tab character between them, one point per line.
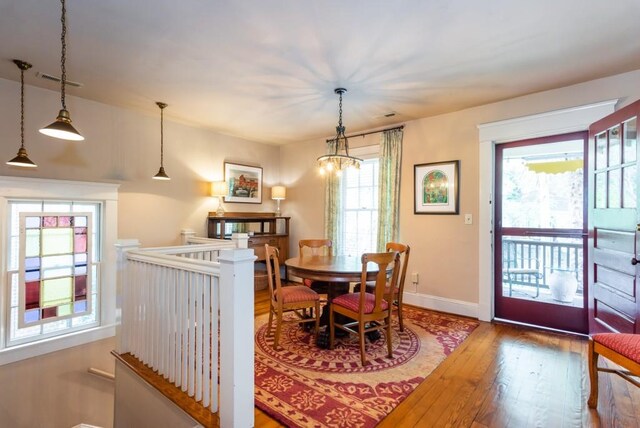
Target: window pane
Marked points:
614	146
56	207
601	190
542	187
366	198
601	151
629	186
57	241
359	205
614	188
32	243
630	140
351	199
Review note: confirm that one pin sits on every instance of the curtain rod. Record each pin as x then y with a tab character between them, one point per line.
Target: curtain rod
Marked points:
370	132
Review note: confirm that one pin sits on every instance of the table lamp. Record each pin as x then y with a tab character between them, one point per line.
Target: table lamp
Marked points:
219	189
278	193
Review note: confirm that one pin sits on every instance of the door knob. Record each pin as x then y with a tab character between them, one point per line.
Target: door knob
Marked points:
634	261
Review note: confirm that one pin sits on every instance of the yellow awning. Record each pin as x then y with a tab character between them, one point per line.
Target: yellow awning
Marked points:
556	167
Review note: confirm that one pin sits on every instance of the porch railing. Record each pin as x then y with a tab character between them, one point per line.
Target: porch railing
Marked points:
179	307
544	257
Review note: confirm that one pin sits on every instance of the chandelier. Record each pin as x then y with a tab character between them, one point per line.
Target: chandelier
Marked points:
339	160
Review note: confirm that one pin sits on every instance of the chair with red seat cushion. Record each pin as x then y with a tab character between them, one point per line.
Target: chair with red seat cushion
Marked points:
365	308
315	247
621	349
396	294
295	299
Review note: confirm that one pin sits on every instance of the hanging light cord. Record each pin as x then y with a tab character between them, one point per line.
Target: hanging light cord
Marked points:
21	108
161	136
340	113
63	56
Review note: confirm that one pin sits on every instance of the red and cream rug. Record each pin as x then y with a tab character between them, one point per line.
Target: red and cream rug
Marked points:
302	385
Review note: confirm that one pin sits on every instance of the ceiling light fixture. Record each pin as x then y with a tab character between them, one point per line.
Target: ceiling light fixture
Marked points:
22	159
62	127
339	159
161	175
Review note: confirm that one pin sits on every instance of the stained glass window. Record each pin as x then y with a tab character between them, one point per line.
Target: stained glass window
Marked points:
54	279
53	266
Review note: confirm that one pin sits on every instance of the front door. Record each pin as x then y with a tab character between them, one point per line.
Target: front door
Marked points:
541	234
613	229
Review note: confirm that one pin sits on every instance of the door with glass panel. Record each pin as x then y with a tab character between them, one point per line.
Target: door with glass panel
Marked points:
541	225
614	225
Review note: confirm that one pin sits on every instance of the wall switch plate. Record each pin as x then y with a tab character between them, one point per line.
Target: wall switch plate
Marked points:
468	219
414	277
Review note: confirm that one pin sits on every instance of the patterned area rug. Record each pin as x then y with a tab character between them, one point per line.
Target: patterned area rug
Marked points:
302	385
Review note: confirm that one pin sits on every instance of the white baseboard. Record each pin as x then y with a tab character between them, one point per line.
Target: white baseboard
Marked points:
442	304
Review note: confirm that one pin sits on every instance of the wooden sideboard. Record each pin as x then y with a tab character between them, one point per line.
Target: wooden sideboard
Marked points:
263	228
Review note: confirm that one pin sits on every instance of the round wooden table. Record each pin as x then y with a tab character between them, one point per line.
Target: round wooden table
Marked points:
338	272
331	269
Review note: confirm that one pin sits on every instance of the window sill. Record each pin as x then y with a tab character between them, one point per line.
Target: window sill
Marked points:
22	352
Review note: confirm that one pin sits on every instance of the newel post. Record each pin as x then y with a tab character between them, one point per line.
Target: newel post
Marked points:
236	338
122	301
186	235
241	239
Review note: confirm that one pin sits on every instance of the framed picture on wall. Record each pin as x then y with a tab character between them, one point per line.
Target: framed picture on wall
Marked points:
435	188
244	183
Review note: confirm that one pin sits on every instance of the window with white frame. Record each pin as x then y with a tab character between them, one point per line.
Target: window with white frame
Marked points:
52	268
57	241
360	208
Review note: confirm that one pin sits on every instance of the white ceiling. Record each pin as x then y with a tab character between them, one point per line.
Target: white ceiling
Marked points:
266	70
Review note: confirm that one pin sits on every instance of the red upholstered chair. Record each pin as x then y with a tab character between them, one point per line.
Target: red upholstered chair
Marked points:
295	299
315	247
364	308
622	349
395	295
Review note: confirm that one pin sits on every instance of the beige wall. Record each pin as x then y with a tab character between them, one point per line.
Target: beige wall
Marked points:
55	390
444	251
124	146
121	146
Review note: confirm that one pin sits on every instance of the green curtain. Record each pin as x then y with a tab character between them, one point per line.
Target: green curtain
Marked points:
389	187
333	208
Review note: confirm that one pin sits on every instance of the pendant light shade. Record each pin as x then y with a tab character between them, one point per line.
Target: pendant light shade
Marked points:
62	127
161	175
339	159
22	159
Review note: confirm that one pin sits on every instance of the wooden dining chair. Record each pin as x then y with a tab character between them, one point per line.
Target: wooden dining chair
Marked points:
395	294
319	247
621	349
365	308
293	298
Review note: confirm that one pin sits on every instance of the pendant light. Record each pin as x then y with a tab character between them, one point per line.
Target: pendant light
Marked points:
161	175
339	159
22	159
62	127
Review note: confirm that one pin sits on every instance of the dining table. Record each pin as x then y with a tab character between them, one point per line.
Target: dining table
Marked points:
336	271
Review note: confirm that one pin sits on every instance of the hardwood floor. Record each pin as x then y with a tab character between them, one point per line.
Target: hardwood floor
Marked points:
509	376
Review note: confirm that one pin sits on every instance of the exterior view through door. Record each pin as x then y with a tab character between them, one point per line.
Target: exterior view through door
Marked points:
541	225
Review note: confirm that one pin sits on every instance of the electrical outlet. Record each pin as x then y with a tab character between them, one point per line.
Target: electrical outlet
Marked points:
468	219
414	277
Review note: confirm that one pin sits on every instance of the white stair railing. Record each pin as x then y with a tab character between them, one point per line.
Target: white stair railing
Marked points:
174	301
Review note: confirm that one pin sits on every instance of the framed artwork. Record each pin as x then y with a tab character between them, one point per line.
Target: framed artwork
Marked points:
244	183
435	188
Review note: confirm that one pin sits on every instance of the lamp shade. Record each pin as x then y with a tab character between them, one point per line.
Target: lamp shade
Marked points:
219	188
278	192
